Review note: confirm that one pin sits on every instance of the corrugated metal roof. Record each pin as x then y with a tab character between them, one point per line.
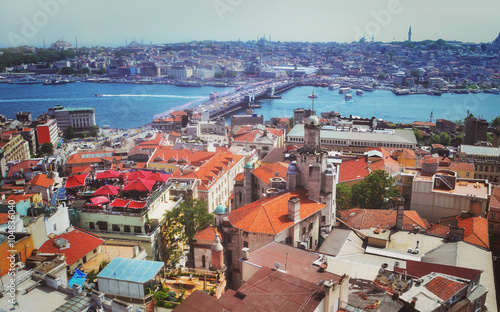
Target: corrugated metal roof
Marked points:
480	150
131	270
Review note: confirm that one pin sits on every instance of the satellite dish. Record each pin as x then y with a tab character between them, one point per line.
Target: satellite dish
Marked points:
321	282
277	265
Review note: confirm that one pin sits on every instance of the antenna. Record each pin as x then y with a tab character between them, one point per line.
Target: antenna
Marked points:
277	265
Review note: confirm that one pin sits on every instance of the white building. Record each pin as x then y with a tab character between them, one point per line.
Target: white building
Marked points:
80	118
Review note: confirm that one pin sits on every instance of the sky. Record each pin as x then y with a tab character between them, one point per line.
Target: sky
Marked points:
115	22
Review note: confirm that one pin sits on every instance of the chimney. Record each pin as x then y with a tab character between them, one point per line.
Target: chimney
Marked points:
217	253
400	214
294	209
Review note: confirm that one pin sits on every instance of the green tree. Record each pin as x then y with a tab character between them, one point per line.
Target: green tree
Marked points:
489	138
382	76
344	195
375	188
102	71
69	133
67	71
219	75
418	135
47	149
94	131
415	73
182	224
319	73
445	139
496	122
457	140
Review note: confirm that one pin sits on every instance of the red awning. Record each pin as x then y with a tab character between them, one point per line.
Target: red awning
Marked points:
107	190
99	200
137	204
108	174
119	203
141	185
159	177
76	180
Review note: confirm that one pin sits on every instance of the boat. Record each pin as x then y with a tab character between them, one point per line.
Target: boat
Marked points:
56	82
492	91
348	97
345	90
367	88
313	96
334	86
188	84
474	91
435	92
98	94
401	91
360	92
26	80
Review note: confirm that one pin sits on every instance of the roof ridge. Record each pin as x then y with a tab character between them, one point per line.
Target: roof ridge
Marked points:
270	222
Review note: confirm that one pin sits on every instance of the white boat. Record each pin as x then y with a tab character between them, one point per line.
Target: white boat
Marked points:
367	88
348	97
334	86
360	92
345	90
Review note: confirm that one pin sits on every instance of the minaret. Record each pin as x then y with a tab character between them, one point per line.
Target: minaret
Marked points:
409	35
431	116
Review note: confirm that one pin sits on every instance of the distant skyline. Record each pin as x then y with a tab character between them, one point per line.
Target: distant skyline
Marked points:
112	23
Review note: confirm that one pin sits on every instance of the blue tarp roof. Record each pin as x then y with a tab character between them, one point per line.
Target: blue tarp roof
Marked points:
137	271
78	278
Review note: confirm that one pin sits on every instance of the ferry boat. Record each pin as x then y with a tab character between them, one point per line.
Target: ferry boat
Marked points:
334	86
313	96
360	92
435	92
367	88
345	90
98	94
401	91
188	84
56	82
492	91
26	80
348	97
474	91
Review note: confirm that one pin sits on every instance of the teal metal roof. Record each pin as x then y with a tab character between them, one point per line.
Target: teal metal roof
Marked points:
131	270
480	150
248	165
220	209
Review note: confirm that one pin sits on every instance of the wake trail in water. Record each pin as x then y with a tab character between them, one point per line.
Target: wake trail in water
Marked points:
152	95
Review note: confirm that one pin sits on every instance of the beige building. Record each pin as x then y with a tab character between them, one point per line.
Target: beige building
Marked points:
486	161
442	194
14	148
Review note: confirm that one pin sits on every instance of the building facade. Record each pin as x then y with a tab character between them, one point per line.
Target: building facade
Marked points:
80	118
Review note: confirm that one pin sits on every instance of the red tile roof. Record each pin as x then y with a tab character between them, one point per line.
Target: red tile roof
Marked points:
444	288
475	229
495	197
207	234
461	166
264	173
352	170
25	165
419	269
20	197
249	134
4	218
42	180
270	215
369	218
80	244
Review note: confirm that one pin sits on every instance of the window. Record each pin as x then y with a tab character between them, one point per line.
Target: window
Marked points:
126	228
55	227
245	244
203	261
95	250
116	227
310	226
467	174
304	230
485	168
323	218
84	259
92	225
137	229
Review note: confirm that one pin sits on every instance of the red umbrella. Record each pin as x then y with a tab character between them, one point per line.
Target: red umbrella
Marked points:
99	200
138	174
108	174
107	190
142	185
76	180
159	177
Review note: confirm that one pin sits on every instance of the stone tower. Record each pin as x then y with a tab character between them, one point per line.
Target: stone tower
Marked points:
409	35
311	171
217	253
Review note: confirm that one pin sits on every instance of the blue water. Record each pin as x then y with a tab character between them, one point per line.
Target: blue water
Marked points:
131	105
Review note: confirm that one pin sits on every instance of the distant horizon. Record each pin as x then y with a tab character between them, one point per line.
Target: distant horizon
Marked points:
167	22
73	43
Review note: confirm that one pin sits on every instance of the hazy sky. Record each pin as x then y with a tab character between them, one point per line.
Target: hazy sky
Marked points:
111	22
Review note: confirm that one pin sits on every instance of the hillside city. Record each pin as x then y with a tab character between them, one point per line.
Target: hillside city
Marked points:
311	212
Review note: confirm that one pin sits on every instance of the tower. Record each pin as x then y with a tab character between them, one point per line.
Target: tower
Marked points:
431	116
409	35
217	254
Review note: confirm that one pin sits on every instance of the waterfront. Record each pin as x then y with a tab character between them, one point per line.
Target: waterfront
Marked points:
133	105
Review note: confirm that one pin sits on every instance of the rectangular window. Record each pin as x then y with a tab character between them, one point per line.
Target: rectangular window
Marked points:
137	229
203	261
492	216
304	230
126	228
92	225
116	227
245	244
